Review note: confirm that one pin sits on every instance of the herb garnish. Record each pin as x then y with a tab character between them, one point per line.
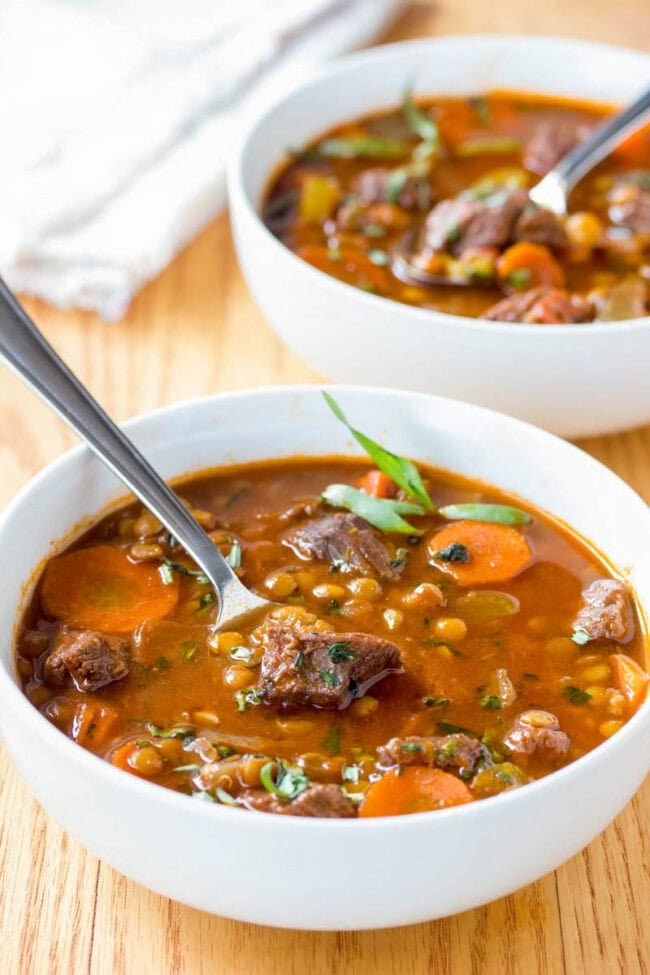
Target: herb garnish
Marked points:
383	513
529	676
224	797
399	469
435	702
401	557
581	637
362	146
338	652
411	746
420	123
233	558
199	574
502	514
519	279
350	773
446	728
188	649
491	701
299	660
332	741
329	678
163	663
576	695
456	552
242	654
289	781
378	257
206	600
186	768
248	696
177	731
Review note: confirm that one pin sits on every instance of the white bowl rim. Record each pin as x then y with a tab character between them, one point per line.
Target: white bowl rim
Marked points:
70	751
323	73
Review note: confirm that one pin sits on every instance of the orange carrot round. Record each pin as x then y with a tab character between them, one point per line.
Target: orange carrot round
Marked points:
120	758
99	588
416	789
494	552
526	265
378	485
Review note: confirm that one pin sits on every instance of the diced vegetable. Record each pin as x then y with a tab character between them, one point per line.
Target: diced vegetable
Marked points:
319	195
383	513
402	471
484	605
378	485
498	552
92	723
629	678
101	589
536	261
412	790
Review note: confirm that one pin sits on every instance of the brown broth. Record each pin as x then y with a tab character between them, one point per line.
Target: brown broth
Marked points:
167	687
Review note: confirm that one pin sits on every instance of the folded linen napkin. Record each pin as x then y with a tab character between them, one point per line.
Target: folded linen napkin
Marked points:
119	122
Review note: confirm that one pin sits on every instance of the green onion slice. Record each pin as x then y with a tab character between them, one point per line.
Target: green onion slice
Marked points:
502	514
380	512
419	122
399	469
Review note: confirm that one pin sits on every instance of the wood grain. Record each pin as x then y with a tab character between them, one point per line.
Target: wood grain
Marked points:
188	333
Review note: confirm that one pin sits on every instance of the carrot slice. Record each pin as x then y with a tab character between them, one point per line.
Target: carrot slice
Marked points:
495	552
629	678
634	151
416	789
120	758
378	485
349	265
526	265
92	723
99	588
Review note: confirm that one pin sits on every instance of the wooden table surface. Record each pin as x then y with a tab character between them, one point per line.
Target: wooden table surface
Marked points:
190	332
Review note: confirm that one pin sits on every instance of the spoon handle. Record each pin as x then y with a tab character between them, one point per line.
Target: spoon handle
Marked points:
553	189
26	351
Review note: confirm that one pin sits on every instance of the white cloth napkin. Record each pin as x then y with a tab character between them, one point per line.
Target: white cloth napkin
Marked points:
117	117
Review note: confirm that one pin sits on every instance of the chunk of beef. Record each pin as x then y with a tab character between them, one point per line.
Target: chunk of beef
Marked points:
540	226
542	306
607	611
91	659
634	210
382	185
322	669
457	224
536	735
346	542
458	751
548	144
320	801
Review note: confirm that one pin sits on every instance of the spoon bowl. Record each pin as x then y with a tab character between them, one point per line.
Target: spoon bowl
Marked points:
24	349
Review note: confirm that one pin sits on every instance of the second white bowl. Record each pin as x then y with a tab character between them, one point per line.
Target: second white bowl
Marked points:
576	380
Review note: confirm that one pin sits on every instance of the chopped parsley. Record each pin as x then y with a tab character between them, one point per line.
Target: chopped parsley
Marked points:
446	728
350	773
491	701
529	676
503	776
518	279
176	731
248	696
188	649
456	552
288	783
453	233
329	678
401	556
224	751
576	695
334	608
166	574
332	741
338	652
435	702
411	746
206	600
299	660
163	663
172	567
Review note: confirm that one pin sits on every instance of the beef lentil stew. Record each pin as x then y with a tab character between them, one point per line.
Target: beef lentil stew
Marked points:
435	641
451	175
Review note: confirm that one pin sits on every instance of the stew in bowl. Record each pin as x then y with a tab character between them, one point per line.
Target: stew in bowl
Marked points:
435	641
450	177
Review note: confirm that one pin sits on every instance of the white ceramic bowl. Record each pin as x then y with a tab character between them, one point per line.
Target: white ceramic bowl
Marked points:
576	380
328	874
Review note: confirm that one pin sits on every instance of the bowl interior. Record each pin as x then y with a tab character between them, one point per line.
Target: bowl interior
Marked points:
247	426
469	65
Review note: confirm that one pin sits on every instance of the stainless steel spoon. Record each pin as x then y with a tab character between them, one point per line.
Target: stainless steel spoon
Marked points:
552	191
30	356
